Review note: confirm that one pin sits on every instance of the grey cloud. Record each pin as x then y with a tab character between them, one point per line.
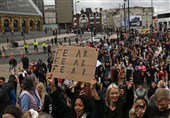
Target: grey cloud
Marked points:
159	5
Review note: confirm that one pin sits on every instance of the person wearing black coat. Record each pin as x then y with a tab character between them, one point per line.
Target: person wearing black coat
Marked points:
112	106
25	61
81	105
162	107
45	98
4	93
152	89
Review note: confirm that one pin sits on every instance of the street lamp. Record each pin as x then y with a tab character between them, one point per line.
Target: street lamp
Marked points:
76	6
128	13
124	15
152	16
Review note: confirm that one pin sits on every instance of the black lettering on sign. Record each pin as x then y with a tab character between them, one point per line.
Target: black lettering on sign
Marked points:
75	63
78	53
83	63
63	61
85	53
56	59
54	67
62	69
73	71
65	52
84	70
58	51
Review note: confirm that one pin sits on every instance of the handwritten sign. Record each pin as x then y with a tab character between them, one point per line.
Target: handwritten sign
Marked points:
75	63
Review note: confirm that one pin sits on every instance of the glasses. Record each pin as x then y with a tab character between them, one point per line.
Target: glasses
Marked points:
141	106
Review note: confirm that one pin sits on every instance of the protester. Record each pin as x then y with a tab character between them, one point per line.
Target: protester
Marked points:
162	108
4	92
138	109
112	107
82	106
12	112
140	92
12	64
59	107
34	114
46	100
12	93
42	71
29	98
25	62
50	62
152	89
49	51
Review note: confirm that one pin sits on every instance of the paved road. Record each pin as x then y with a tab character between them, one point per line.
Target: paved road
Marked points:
17	51
4	67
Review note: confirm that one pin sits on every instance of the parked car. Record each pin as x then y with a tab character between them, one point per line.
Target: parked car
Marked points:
96	38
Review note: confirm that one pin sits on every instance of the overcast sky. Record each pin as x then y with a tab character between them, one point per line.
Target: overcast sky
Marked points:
159	5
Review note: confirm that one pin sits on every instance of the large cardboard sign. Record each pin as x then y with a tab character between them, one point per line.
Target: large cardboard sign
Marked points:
75	63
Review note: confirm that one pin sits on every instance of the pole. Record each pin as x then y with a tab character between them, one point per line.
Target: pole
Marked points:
128	15
75	7
152	16
124	16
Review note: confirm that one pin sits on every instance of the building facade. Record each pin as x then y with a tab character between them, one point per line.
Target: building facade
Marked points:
40	5
50	14
64	13
163	20
88	20
19	15
140	17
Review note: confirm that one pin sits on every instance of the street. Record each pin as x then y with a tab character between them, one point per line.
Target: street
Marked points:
4	66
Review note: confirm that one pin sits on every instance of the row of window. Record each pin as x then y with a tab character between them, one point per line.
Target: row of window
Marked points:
6	25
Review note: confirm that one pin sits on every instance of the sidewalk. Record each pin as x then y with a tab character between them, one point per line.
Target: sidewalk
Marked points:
20	50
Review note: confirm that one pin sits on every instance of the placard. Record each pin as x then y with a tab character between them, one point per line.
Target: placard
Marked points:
75	63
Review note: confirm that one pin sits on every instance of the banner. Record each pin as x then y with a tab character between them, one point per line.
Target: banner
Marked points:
75	63
135	21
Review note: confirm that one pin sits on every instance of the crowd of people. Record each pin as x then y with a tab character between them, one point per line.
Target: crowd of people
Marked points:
132	81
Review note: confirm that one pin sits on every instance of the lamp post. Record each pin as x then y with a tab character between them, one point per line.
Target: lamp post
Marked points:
128	14
76	6
75	3
124	15
152	16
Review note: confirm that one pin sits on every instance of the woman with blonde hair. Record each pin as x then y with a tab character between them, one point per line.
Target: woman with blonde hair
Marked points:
46	100
138	109
112	106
